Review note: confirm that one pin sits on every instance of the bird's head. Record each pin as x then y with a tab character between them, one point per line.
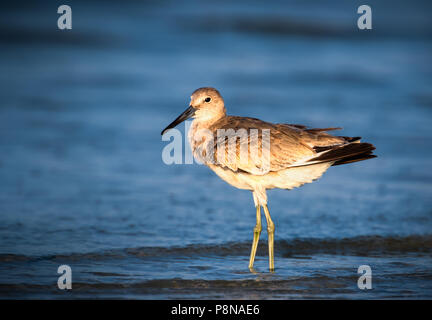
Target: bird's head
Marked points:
206	105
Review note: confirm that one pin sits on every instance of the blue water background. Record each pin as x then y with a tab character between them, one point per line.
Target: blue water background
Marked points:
82	181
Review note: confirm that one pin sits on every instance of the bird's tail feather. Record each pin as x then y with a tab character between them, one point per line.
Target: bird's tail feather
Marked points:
348	153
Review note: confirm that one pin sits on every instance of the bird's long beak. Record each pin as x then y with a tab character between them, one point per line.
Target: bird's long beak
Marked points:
189	112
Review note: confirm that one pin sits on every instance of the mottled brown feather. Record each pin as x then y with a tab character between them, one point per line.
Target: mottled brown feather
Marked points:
289	145
286	145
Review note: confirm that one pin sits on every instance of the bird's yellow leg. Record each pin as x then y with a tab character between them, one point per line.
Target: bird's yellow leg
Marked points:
257	232
270	230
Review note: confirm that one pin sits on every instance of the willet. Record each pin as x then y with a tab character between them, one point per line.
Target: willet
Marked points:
296	154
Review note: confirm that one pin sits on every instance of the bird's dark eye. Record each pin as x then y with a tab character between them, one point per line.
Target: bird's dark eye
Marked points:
208	99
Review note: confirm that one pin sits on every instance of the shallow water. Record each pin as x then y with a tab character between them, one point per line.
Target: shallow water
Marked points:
83	183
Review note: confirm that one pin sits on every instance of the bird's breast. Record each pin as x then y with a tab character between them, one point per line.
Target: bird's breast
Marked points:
201	141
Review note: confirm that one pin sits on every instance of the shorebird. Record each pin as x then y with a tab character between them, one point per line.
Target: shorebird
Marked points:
296	154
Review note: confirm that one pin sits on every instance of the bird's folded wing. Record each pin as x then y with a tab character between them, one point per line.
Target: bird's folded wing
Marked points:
314	137
257	147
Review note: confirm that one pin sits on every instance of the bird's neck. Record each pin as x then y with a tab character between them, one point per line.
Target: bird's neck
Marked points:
206	120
